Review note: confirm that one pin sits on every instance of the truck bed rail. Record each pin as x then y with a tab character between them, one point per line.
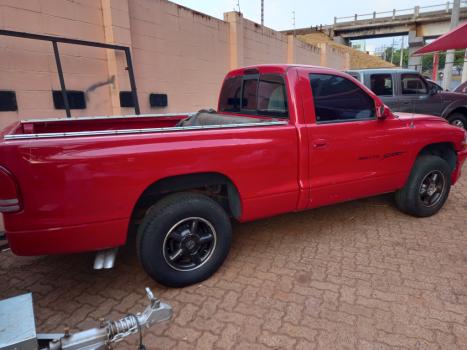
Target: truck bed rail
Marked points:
139	131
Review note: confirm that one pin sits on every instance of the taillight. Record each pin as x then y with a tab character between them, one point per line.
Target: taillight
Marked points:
9	194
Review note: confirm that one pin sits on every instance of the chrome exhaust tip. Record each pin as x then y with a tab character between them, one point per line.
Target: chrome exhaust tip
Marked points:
105	259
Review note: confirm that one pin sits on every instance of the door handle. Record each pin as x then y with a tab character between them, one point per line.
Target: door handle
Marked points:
320	144
406	102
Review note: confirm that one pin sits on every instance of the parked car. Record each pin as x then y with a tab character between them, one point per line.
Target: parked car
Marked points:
285	138
462	88
405	90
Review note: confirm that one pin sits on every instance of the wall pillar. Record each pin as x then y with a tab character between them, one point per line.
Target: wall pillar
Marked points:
116	32
347	61
323	58
235	20
291	49
415	43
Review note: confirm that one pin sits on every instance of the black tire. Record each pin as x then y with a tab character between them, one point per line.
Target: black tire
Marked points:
458	119
167	229
414	198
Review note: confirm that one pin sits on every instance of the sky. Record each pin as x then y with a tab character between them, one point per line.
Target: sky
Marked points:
278	14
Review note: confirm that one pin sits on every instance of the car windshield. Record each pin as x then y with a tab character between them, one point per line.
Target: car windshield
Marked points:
462	88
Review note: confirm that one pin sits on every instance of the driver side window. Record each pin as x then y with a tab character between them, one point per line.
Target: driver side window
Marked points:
412	84
338	99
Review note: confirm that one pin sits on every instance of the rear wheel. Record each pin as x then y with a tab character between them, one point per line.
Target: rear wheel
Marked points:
458	119
184	239
427	188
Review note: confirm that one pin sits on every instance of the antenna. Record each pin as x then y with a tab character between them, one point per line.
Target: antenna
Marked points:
293	22
238	6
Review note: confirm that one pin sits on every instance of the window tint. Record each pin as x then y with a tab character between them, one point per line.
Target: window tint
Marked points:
263	95
250	87
272	96
230	95
381	84
338	99
412	84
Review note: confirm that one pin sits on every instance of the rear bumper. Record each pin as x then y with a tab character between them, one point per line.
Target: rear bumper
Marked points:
461	157
70	239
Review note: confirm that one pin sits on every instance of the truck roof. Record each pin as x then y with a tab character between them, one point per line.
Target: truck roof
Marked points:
383	70
277	68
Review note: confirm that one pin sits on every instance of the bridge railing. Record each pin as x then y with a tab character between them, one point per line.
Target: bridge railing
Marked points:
414	12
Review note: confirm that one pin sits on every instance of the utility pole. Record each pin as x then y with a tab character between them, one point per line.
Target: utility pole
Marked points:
401	61
450	54
464	70
392	51
293	21
262	12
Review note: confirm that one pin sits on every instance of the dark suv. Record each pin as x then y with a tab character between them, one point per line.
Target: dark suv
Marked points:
405	90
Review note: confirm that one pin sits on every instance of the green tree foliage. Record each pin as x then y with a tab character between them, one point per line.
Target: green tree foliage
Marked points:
427	60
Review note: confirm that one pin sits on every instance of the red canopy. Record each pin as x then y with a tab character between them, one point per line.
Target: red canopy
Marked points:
455	39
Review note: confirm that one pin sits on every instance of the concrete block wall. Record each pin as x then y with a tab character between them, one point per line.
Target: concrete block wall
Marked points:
263	45
179	52
303	53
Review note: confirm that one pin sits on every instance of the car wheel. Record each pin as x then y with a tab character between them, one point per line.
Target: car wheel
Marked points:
427	188
183	239
458	119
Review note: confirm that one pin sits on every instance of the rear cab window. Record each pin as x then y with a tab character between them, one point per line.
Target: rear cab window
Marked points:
337	99
258	94
382	84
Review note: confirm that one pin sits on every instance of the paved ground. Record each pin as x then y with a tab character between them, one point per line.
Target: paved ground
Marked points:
354	276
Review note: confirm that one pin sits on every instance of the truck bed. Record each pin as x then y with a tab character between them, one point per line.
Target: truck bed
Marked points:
89	126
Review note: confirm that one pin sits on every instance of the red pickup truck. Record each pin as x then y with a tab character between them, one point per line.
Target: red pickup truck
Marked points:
284	138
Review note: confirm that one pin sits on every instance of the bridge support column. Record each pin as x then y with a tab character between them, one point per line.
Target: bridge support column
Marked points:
341	40
415	42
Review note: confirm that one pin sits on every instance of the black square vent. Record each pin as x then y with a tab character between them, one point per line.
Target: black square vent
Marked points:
158	100
8	101
76	99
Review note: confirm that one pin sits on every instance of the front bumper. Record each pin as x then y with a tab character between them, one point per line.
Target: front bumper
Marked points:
461	157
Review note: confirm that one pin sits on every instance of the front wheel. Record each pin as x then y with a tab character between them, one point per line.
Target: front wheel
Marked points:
427	188
458	119
184	239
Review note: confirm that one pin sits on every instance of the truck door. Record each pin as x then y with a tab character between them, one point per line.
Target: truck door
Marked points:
352	153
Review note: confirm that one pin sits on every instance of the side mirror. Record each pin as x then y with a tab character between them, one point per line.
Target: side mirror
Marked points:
432	90
383	112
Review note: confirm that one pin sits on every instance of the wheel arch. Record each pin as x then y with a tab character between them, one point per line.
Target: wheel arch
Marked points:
444	150
215	185
459	109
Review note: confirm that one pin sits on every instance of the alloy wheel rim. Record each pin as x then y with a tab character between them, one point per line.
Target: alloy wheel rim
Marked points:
432	188
189	244
459	123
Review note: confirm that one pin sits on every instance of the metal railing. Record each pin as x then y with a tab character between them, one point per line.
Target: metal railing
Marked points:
414	12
